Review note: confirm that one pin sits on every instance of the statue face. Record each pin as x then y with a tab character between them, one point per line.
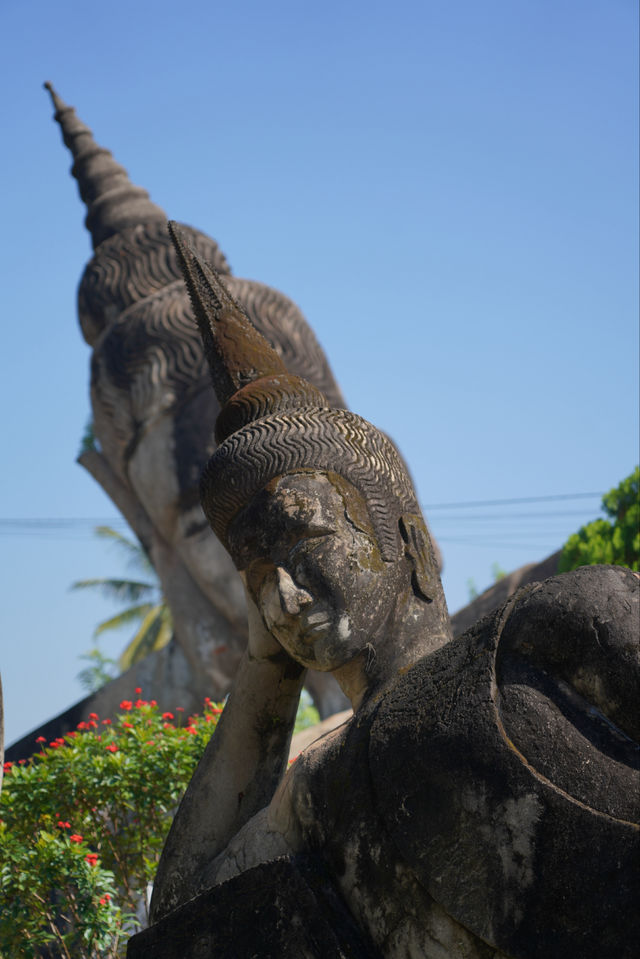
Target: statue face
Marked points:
313	568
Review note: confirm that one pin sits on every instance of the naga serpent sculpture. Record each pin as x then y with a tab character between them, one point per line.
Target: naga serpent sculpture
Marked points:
153	408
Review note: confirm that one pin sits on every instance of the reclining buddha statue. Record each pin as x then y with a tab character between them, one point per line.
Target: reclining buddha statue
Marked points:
481	803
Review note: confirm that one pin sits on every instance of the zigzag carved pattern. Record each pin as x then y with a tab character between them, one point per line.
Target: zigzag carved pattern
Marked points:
266	396
320	439
131	266
152	356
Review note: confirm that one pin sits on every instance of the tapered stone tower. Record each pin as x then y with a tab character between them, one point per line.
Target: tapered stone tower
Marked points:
154	410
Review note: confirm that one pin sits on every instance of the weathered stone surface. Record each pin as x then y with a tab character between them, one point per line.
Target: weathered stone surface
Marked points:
515	800
153	407
483	801
284	909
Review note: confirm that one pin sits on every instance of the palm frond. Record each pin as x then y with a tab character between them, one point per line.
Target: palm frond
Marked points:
155	632
133	614
120	590
132	549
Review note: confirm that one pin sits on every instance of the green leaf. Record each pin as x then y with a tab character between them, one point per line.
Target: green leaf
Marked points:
155	632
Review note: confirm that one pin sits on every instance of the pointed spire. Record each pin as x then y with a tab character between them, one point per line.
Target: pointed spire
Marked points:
113	202
248	375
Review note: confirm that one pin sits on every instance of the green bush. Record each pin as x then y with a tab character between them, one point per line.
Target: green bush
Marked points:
83	824
615	540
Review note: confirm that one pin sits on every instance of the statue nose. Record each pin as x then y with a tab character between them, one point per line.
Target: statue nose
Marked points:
292	597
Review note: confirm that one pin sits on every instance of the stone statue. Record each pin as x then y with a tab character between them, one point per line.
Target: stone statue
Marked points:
154	411
483	800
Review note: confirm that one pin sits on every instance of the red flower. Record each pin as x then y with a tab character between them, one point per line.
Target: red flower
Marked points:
153	703
105	899
140	703
150	742
76	837
128	725
167	716
179	709
21	762
192	730
138	690
164	726
7	766
71	735
92	724
92	858
112	748
54	744
126	704
93	716
106	722
83	725
41	739
63	825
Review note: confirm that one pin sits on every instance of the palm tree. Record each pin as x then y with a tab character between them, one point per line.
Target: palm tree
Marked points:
152	616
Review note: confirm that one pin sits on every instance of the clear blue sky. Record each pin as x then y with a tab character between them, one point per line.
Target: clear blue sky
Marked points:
448	190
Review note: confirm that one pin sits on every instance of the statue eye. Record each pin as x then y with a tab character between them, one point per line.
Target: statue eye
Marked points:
320	530
257	573
300	575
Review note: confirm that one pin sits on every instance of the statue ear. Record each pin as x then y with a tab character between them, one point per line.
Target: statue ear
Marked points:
419	552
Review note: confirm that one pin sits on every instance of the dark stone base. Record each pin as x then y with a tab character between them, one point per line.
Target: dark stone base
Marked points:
286	909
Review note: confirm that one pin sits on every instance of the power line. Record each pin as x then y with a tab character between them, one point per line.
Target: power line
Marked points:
79	521
509	502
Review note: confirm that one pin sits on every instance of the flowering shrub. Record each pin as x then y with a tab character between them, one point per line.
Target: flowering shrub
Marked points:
82	826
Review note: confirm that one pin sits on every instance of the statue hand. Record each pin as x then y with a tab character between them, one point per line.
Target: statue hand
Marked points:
262	644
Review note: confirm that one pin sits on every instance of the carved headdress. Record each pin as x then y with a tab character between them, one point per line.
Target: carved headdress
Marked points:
272	423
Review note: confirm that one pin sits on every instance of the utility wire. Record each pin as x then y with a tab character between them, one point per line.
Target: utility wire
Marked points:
509	502
61	521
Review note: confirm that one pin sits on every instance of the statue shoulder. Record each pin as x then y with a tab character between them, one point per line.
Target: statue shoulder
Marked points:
505	768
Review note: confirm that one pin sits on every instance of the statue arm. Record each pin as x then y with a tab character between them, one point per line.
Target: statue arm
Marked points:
239	771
